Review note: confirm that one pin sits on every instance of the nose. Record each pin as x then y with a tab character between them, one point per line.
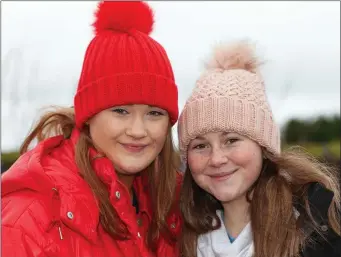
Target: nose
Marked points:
136	128
218	158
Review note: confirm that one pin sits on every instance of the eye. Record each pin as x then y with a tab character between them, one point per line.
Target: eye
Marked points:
199	146
156	113
120	111
231	140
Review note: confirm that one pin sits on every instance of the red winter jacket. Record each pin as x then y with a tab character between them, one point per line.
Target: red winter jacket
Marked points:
49	210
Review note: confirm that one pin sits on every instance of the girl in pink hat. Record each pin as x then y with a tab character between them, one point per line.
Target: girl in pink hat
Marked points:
242	196
102	180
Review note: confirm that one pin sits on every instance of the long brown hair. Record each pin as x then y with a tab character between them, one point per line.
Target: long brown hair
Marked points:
162	176
282	185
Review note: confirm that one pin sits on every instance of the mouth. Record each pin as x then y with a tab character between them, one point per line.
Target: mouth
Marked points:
134	148
222	175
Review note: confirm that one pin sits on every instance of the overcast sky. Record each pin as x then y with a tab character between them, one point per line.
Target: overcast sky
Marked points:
43	45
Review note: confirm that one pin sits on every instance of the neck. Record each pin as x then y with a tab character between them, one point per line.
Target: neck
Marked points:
127	180
236	215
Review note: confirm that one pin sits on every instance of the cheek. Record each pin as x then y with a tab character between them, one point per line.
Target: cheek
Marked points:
197	169
196	163
102	132
158	133
256	160
250	162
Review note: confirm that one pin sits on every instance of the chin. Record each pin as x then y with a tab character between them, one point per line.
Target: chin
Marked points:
224	199
135	168
130	170
131	165
224	196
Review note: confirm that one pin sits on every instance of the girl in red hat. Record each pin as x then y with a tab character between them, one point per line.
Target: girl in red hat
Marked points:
102	180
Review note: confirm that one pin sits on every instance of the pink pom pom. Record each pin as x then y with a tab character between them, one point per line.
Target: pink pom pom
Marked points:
236	55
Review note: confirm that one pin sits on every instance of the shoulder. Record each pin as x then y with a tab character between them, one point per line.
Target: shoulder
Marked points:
30	170
25	191
49	165
22	206
43	186
26	217
329	245
16	243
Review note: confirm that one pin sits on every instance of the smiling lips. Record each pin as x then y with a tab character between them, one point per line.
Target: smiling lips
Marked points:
134	148
222	175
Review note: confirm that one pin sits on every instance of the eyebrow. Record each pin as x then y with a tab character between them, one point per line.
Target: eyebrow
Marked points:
199	138
222	134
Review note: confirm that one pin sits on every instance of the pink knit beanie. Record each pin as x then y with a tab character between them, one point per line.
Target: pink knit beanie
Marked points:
230	96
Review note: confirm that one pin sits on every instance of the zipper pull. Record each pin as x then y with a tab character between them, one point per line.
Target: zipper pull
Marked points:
60	232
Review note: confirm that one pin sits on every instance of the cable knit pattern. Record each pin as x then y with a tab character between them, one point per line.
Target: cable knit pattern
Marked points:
229	100
242	85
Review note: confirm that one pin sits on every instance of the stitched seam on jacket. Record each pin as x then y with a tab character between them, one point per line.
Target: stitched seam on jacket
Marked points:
26	235
26	210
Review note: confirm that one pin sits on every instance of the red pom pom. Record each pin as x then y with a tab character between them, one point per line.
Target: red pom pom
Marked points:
123	16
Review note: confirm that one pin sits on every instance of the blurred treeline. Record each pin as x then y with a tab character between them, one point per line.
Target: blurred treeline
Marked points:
319	136
320	130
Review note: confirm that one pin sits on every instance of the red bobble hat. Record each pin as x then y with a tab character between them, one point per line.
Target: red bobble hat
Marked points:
123	64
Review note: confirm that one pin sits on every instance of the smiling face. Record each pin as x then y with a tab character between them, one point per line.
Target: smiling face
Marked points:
131	136
224	164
